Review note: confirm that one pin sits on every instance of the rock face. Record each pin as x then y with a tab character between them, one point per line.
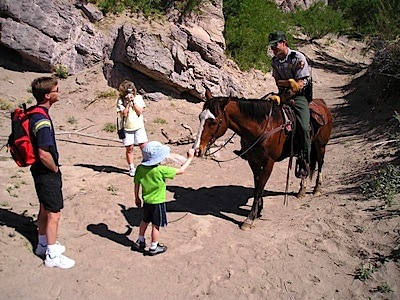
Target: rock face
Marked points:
45	33
177	57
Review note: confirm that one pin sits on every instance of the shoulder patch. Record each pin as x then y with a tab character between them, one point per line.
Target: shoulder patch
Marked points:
301	64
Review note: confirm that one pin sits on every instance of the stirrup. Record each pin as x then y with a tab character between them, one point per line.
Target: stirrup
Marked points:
302	169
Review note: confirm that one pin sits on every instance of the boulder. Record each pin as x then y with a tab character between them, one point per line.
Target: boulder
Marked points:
176	58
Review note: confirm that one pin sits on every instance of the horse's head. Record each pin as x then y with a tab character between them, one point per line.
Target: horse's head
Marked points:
213	124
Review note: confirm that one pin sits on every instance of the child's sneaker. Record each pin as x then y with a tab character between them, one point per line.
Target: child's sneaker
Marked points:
141	245
59	261
158	250
41	250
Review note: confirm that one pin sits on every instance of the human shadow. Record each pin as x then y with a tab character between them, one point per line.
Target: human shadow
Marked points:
133	215
24	225
102	168
102	230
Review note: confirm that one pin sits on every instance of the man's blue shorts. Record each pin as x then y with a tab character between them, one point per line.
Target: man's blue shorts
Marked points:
155	214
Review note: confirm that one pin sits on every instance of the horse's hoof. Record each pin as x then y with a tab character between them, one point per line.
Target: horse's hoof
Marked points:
301	194
317	193
246	226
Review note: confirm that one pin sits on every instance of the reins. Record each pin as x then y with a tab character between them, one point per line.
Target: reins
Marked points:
223	145
264	135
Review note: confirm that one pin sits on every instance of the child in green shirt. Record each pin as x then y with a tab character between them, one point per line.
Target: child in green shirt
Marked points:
151	176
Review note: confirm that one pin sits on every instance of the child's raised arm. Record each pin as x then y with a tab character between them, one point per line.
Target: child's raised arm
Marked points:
190	155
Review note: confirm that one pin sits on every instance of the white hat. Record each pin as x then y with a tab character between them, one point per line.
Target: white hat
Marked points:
154	153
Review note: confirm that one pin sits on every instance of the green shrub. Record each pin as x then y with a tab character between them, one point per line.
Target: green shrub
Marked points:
365	272
383	184
108	94
147	7
384	288
159	121
372	17
113	189
247	26
319	20
109	127
396	135
5	104
61	71
72	120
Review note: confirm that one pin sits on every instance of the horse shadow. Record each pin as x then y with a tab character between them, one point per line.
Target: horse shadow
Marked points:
218	201
24	225
102	168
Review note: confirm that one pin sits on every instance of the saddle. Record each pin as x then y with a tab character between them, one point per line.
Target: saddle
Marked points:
317	113
318	118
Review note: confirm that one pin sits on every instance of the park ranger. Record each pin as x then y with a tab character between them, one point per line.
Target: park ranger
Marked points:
292	77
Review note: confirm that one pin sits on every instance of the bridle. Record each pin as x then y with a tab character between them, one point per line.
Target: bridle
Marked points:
212	139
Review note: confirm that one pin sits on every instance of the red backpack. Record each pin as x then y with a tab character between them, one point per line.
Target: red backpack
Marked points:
19	141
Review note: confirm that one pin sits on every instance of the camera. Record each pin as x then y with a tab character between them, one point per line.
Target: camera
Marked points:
130	91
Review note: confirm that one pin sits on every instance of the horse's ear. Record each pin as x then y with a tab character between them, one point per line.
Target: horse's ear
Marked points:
208	94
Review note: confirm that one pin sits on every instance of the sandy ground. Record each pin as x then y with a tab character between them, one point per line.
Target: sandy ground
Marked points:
311	249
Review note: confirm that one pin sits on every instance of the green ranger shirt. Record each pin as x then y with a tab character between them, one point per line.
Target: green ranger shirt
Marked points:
152	179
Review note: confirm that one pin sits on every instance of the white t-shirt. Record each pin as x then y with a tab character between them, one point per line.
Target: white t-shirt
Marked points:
133	121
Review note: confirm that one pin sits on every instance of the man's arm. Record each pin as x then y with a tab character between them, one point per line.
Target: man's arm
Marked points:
287	83
47	159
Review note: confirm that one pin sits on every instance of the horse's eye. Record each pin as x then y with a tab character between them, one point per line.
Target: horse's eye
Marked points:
212	121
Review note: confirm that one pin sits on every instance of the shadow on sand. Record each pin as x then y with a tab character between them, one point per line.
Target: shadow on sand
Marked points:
103	168
204	201
24	225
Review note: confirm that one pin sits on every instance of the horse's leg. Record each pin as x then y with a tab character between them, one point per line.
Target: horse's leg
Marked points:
303	188
318	183
261	176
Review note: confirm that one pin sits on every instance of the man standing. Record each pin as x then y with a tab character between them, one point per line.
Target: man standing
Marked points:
292	77
47	175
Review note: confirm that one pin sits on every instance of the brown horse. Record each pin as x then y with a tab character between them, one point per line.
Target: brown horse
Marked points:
261	125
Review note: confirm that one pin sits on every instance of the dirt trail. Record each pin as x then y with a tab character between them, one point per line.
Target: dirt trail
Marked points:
310	249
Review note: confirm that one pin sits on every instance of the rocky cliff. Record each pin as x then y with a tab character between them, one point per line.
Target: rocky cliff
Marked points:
177	57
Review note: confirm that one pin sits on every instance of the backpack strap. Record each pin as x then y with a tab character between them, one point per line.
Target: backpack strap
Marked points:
36	109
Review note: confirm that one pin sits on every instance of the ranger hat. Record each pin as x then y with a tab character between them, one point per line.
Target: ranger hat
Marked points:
275	37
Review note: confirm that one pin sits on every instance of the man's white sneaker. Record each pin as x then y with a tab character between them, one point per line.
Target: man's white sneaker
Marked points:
41	250
59	261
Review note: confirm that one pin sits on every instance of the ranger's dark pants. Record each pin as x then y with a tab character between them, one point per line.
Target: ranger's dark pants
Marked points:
303	118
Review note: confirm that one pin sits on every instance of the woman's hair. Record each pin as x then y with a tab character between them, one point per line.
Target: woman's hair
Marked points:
123	89
42	86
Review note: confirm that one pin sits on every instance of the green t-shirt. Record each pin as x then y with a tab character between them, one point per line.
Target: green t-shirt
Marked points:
152	179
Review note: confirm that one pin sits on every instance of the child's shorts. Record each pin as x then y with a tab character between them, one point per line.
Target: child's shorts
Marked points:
155	214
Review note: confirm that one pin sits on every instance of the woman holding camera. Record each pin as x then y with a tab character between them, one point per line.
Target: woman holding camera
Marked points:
130	107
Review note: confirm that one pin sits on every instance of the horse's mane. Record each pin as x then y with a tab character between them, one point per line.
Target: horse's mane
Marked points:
254	109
